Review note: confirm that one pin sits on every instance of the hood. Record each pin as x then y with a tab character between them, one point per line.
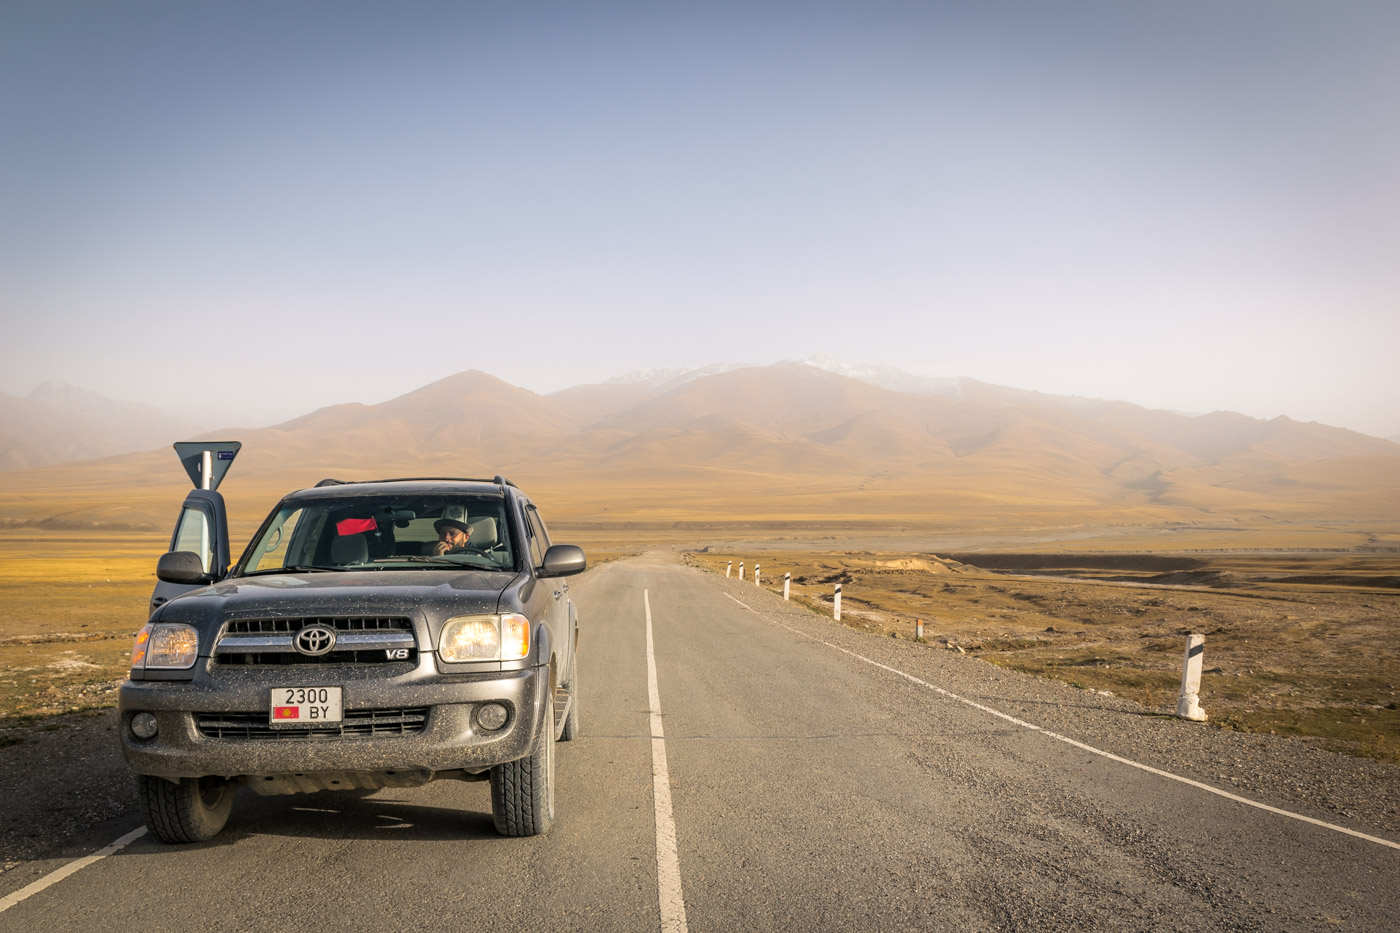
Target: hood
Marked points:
426	595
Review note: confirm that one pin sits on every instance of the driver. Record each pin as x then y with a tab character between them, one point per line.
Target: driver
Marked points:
453	530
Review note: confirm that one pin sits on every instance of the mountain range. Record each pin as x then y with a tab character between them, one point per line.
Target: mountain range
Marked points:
805	440
60	423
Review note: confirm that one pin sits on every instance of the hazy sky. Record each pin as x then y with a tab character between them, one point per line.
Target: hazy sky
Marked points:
265	207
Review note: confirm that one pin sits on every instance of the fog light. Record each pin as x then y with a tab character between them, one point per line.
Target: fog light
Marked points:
491	716
143	726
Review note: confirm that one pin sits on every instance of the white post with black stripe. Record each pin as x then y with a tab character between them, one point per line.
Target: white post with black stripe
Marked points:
755	574
1189	704
741	570
787	585
729	568
836	605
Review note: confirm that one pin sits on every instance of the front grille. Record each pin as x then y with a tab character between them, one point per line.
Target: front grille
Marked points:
281	626
358	723
359	640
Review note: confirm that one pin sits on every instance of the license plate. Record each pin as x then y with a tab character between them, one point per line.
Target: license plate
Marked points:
304	706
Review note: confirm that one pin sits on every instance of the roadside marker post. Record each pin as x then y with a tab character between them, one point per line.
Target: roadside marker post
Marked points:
836	606
1188	706
787	585
741	570
918	628
728	568
755	574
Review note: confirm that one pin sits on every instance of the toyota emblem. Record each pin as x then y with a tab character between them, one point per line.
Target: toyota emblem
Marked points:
315	640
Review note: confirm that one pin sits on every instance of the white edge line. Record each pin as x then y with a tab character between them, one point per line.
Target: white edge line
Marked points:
1077	744
57	875
668	863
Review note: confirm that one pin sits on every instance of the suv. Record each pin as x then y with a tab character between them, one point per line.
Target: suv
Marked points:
373	634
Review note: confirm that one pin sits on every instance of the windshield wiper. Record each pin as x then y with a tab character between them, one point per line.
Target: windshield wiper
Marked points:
417	559
296	568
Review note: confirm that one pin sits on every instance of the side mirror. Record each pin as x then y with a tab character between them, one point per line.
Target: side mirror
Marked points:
561	560
181	567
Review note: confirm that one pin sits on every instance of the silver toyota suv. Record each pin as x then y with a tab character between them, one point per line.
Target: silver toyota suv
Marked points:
373	634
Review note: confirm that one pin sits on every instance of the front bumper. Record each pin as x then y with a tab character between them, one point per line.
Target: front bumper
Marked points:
451	739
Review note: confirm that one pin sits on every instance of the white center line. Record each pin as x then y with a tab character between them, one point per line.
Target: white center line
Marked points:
668	863
54	877
1077	744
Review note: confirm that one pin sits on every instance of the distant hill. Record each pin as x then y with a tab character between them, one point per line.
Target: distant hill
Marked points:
60	423
790	440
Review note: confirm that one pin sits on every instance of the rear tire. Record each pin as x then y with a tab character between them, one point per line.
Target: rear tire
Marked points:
522	792
195	810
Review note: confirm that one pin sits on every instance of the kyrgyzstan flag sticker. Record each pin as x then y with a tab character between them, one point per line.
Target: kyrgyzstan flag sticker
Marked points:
286	712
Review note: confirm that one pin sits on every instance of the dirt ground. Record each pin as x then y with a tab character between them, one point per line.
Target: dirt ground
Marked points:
1296	643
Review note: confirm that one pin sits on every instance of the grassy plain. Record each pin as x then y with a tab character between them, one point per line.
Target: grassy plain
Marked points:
70	602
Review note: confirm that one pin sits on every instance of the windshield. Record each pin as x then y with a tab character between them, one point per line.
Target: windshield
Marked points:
384	532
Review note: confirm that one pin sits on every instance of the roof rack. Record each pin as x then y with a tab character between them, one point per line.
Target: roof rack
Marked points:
497	480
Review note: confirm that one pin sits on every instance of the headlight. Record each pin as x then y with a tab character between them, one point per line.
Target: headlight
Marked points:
485	638
165	646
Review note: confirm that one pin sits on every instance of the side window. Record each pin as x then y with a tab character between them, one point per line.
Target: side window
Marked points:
192	533
538	523
539	539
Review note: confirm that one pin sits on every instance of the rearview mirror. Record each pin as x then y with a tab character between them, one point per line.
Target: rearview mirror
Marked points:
181	567
561	560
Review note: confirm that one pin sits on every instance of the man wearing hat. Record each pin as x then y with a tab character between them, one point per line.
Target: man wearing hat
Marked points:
453	530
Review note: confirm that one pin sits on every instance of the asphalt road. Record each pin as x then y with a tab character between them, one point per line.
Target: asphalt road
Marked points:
809	789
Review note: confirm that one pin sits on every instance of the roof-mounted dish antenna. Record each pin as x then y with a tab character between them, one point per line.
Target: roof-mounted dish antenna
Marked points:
207	461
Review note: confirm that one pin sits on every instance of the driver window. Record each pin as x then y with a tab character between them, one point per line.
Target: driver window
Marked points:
193	534
539	541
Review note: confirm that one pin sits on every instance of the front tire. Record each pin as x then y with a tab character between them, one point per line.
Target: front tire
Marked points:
195	810
522	792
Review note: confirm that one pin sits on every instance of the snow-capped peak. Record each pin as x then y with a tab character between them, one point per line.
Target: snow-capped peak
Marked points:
888	377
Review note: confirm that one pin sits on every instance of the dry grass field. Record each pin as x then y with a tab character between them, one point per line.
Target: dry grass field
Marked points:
1296	643
70	602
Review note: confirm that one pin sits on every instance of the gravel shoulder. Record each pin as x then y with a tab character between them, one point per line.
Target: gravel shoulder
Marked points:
67	789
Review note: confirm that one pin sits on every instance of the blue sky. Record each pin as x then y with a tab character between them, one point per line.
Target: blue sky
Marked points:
267	207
